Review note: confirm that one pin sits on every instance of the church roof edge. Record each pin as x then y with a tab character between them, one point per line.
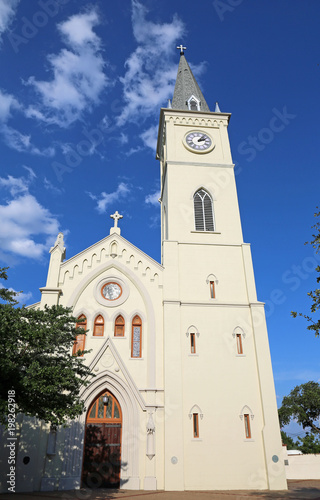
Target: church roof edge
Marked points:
110	237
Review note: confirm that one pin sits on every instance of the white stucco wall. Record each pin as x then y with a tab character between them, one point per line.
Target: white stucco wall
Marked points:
301	466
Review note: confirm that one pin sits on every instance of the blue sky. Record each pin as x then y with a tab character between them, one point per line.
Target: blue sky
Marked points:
80	91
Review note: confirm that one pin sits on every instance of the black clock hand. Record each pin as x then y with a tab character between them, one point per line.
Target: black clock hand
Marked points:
201	139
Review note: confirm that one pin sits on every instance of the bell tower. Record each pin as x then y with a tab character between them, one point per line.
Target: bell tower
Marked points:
194	152
218	377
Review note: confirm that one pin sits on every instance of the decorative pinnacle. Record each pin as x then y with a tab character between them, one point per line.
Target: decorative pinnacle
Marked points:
182	48
116	216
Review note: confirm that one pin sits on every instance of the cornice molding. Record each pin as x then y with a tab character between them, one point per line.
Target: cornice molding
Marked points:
200	164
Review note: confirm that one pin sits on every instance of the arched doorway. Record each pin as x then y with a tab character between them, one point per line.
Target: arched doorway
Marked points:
102	443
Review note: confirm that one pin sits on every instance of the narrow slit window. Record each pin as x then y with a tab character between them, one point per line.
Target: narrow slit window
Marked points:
247	425
119	325
98	329
80	339
136	337
212	290
239	343
195	420
193	343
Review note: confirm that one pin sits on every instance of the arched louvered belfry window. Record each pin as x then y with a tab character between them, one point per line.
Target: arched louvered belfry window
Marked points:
203	211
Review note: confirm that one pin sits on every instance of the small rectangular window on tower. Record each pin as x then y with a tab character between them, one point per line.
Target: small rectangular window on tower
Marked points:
247	426
212	290
195	425
193	343
239	343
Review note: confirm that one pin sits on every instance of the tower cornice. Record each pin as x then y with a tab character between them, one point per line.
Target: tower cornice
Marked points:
190	118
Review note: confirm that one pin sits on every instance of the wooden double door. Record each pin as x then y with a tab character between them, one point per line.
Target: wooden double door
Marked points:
102	445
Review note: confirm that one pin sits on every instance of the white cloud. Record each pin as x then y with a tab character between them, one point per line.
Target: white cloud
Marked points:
7	12
78	74
153	199
123	138
30	171
24	220
133	151
7	103
22	143
150	137
78	29
154	221
150	77
50	187
105	199
12	137
18	185
14	185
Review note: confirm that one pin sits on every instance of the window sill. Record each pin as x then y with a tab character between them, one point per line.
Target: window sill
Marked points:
136	359
249	440
193	355
119	337
97	337
206	232
196	439
240	355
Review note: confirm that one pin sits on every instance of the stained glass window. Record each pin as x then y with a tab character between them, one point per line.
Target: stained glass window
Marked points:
136	337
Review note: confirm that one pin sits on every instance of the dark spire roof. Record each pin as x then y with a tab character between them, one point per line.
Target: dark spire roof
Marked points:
186	87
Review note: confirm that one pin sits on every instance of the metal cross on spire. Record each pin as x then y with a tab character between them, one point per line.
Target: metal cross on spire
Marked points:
116	216
182	48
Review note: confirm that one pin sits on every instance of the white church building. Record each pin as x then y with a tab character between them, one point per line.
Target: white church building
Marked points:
183	396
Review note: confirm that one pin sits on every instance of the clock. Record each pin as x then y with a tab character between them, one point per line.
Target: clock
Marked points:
199	142
111	291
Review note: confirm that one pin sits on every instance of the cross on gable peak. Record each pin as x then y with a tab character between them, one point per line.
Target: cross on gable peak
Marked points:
116	216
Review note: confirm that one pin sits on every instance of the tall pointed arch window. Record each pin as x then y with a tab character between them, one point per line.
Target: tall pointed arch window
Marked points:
203	211
119	325
98	329
136	337
80	340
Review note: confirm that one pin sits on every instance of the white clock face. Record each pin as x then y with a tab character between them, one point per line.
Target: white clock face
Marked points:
199	141
111	291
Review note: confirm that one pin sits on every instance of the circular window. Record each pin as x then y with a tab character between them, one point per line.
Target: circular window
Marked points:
111	291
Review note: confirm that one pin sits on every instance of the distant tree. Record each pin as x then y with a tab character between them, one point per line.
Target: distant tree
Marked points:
6	295
303	405
288	441
36	361
309	444
314	294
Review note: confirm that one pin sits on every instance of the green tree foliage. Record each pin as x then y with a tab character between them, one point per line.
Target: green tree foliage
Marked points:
36	361
287	440
314	325
309	443
303	405
6	295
